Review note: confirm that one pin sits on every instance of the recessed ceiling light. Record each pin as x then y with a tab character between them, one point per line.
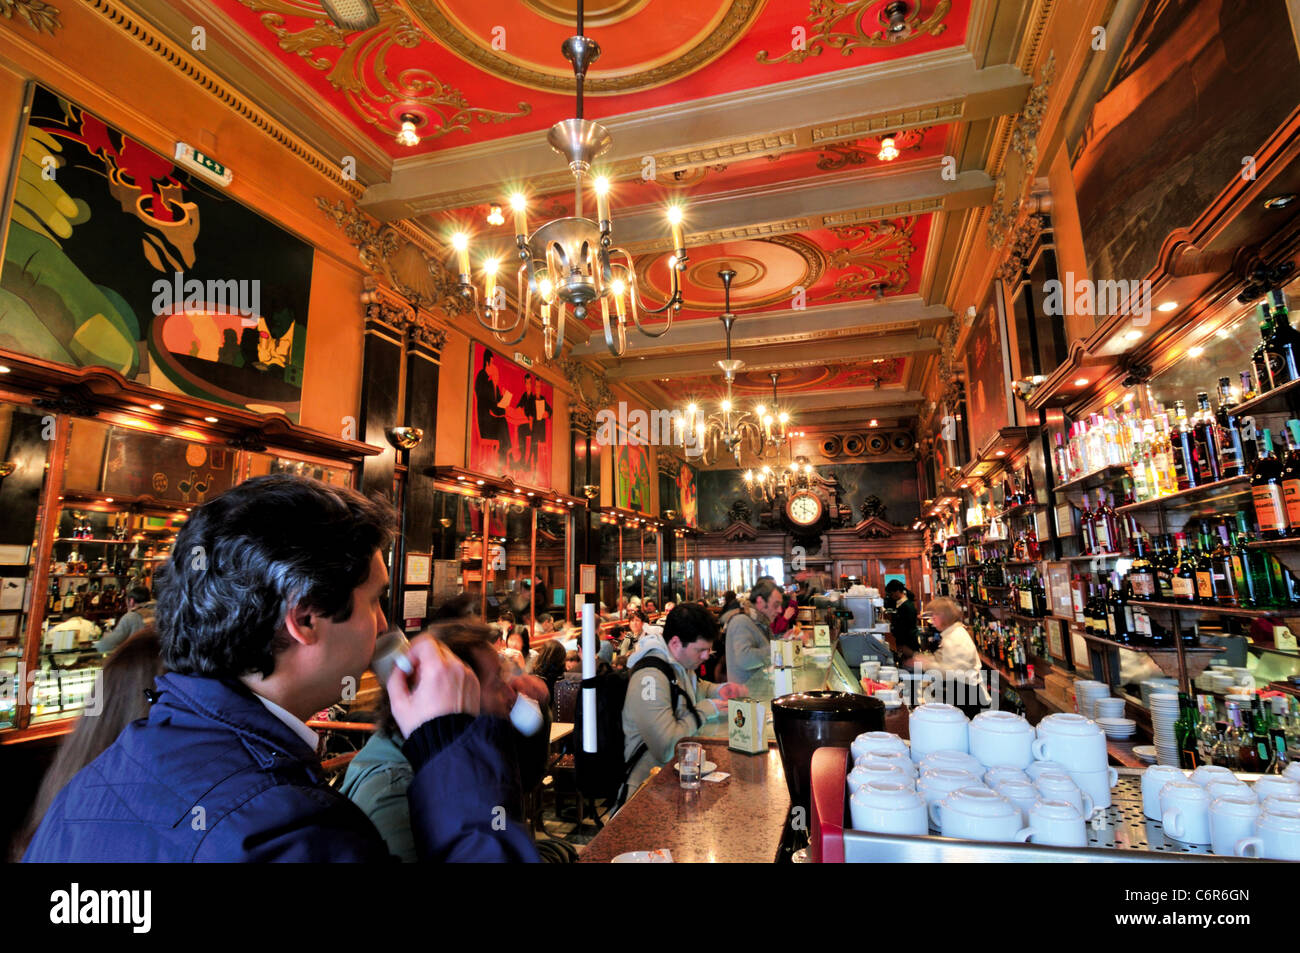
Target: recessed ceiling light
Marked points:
1132	335
108	499
873	422
1080	381
1195	351
1167	306
211	420
1279	201
1001	453
4	369
157	406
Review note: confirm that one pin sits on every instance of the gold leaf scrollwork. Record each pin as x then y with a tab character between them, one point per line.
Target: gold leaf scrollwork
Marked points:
361	71
852	25
41	17
879	259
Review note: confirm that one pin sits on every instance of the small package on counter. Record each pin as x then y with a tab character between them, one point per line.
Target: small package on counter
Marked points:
786	653
782	682
745	725
821	636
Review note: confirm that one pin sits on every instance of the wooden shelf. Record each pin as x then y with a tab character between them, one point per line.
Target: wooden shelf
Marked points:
1209	498
1276	401
74	539
1024	509
1089	558
1285	551
1011	679
1029	618
1233	611
1166	658
1097	478
1288	653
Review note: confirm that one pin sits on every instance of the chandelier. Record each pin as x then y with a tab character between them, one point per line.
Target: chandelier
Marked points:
769	484
572	263
728	426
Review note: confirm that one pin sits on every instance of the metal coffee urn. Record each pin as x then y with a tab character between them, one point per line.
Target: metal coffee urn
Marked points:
806	721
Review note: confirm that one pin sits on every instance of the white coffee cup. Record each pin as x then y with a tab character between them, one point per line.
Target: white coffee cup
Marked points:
901	759
951	759
996	775
1185	812
1071	740
1212	772
1234	788
937	727
1060	787
868	771
1097	784
1001	737
938	783
1272	785
1058	823
869	670
870	741
1022	794
1232	818
1153	779
1040	767
887	807
888	674
1277	832
976	814
526	716
889	697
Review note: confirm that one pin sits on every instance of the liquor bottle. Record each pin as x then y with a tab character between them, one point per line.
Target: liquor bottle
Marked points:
1089	540
1187	735
1142	489
1038	596
1203	568
1260	717
1225	754
1105	526
1061	461
1119	618
1232	460
1247	754
1184	449
1206	439
1266	489
1184	577
1206	731
1291	473
1141	575
1226	592
1259	357
1283	344
1249	443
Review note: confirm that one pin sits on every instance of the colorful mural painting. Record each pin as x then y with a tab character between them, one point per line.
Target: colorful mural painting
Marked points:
116	257
632	475
688	495
511	420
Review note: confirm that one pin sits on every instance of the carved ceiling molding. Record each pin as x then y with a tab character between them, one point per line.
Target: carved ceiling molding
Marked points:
949	385
825	16
889	122
180	62
385	252
361	72
1024	133
879	260
41	17
590	388
1000	217
733	26
1023	240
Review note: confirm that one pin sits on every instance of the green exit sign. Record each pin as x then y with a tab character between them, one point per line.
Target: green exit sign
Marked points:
202	164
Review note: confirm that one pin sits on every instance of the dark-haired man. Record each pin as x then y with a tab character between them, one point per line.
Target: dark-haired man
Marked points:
268	612
659	712
748	633
903	624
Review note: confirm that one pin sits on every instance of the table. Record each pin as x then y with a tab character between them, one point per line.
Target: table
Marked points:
739	820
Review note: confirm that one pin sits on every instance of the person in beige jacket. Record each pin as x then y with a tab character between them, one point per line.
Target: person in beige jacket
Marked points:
655	716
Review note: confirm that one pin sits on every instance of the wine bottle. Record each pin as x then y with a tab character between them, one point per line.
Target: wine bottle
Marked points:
1142	575
1291	473
1226	592
1232	462
1184	577
1203	568
1266	490
1205	433
1283	344
1184	449
1259	357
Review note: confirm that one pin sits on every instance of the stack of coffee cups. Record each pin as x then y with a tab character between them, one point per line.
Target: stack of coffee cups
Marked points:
1079	745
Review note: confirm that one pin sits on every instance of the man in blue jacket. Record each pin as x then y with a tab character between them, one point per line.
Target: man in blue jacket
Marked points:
268	612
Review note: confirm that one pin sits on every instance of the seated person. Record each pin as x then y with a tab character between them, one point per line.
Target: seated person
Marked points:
139	613
379	777
655	720
280	614
518	640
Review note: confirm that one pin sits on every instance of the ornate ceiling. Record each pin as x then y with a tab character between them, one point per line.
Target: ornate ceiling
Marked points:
764	118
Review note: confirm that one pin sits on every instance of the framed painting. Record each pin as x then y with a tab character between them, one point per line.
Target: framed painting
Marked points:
631	475
511	419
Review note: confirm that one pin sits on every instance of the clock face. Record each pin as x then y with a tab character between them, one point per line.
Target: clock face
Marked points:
804	509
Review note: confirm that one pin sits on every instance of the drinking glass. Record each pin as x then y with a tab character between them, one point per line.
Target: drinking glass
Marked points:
690	758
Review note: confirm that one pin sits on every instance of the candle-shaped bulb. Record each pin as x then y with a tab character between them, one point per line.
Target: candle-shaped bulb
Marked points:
601	185
726	406
460	241
520	205
675	221
761	409
490	282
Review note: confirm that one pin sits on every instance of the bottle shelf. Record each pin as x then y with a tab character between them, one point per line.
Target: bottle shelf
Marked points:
1164	657
76	539
1035	619
1010	678
1235	611
1209	498
1091	556
1285	551
1276	401
1024	509
1090	481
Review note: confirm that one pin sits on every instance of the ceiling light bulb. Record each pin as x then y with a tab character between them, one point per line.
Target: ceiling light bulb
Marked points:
1196	351
807	468
495	217
1132	335
726	406
1080	381
888	151
459	241
545	288
761	410
408	136
490	266
674	214
518	201
601	185
783	417
617	287
767	420
873	422
1167	306
690	409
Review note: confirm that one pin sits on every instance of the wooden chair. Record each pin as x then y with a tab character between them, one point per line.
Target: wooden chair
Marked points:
564	767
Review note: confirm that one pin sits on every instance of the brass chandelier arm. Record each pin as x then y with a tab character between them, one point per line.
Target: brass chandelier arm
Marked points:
619	349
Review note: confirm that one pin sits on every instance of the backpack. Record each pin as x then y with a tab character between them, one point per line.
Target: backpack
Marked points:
605	773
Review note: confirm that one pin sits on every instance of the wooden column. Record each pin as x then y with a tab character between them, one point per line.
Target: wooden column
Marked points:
423	363
380	395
